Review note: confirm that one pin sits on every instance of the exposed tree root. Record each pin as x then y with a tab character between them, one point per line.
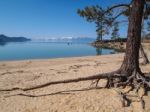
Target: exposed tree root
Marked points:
125	101
95	77
114	79
55	93
95	82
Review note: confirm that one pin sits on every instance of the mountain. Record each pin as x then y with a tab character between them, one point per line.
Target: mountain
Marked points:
4	38
72	39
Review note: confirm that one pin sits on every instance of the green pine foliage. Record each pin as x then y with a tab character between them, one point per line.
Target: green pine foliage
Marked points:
115	31
96	14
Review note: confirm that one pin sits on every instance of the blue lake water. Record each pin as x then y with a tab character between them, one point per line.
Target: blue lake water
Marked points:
45	50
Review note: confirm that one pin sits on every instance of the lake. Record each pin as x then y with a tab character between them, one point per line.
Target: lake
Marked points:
45	50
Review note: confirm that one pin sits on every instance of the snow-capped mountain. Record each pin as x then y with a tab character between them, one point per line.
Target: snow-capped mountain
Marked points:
66	39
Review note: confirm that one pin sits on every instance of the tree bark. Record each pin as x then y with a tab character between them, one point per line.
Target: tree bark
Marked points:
131	58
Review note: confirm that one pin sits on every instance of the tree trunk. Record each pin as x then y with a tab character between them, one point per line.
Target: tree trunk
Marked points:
99	33
101	29
144	56
131	59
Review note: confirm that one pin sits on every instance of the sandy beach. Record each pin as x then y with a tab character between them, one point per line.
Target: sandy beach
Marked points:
74	97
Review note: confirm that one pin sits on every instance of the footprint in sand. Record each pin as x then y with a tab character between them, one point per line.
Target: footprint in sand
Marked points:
84	60
3	65
60	72
51	69
5	73
75	70
97	63
19	71
26	64
78	66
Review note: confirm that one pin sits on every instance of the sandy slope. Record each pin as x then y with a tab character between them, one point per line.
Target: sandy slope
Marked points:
34	72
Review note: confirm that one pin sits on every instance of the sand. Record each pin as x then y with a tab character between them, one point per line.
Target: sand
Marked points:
75	97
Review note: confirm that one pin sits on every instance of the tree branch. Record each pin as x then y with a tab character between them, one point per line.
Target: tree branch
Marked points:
116	6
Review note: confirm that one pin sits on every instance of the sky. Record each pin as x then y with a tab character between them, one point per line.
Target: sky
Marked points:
49	18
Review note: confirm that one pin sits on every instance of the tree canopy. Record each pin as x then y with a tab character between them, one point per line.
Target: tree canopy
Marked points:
106	19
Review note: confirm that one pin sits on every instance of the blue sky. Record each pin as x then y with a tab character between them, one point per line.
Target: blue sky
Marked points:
48	18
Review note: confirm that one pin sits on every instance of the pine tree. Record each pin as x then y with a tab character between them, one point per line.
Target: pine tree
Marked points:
96	14
115	30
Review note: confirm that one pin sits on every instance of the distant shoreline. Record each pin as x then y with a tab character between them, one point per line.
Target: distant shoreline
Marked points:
5	39
118	44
